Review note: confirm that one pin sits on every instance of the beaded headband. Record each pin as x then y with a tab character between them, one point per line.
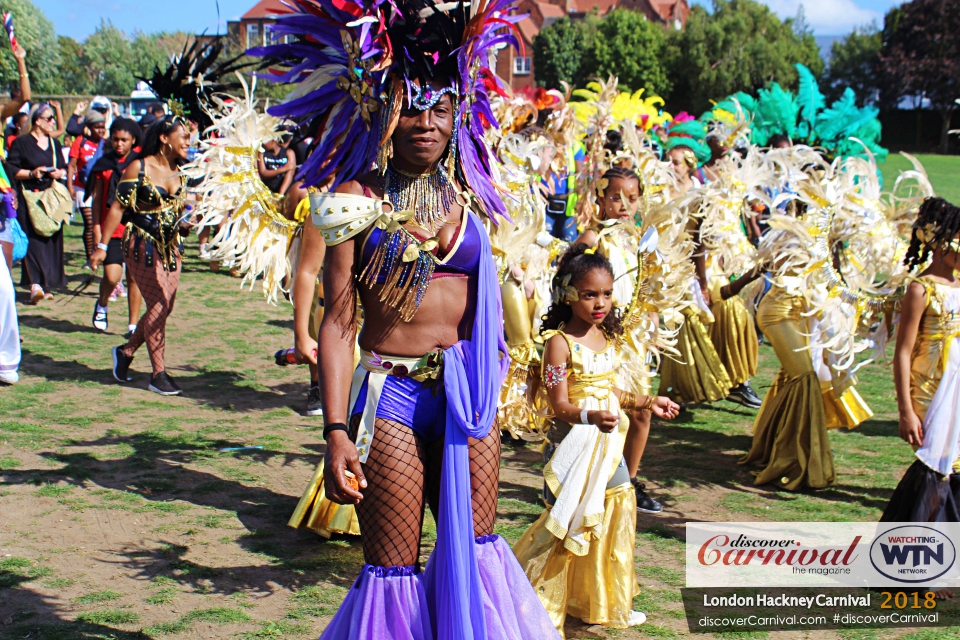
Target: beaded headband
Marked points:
424	98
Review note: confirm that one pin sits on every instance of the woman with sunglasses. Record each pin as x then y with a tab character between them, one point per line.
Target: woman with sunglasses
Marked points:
151	200
36	161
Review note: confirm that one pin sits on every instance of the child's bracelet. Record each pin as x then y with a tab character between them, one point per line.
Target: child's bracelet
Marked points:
584	416
629	402
648	405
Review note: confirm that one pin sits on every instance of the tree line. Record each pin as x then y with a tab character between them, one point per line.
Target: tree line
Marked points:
741	45
107	62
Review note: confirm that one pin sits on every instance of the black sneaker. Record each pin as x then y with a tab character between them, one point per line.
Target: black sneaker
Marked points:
164	385
751	395
744	395
645	503
314	406
121	365
99	317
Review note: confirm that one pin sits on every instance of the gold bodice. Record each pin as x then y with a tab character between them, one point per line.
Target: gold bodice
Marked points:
590	374
939	324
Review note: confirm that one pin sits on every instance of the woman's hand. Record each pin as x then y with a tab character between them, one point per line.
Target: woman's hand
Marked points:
665	408
340	457
80	109
58	174
19	52
604	420
37	173
911	428
97	258
305	350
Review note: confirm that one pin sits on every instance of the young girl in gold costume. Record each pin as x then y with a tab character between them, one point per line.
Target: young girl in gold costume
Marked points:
579	554
616	237
927	370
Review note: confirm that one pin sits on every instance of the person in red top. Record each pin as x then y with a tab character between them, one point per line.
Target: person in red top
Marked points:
85	151
124	145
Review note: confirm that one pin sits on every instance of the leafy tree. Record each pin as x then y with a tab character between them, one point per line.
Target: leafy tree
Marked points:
630	47
35	34
920	56
557	52
107	56
854	63
741	46
72	76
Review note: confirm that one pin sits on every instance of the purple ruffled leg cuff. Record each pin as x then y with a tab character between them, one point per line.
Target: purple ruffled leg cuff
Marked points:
511	608
385	603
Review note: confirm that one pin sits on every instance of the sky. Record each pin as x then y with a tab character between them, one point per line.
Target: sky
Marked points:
79	18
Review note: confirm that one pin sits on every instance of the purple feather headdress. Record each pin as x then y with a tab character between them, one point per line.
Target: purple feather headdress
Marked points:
354	63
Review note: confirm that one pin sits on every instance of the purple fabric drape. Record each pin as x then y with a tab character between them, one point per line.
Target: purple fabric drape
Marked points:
473	372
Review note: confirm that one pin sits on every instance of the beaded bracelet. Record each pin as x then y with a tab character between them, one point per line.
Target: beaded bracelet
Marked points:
554	374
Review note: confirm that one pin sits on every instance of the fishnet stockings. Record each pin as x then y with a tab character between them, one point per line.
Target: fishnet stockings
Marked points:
159	290
402	474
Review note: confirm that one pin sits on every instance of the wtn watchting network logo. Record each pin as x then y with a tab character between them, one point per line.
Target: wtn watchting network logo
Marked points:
912	554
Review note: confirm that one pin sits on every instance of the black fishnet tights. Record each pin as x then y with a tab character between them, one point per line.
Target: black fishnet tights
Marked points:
159	290
403	474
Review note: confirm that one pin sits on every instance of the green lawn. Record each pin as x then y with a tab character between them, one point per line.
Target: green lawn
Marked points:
944	172
120	516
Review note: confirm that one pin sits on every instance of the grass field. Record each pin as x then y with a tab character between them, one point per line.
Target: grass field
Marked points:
943	171
121	518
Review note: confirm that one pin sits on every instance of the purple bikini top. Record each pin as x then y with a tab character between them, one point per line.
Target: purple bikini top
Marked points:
462	260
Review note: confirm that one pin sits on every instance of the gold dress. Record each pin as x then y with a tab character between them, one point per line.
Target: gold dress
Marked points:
939	325
733	335
699	375
584	567
790	431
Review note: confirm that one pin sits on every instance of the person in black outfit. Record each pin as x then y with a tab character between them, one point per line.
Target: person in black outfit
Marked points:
277	166
35	160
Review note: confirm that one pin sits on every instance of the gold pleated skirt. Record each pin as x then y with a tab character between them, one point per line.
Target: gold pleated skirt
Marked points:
321	516
790	431
735	338
702	376
598	587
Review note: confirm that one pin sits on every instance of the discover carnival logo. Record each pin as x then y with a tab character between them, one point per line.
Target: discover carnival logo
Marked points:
912	554
822	554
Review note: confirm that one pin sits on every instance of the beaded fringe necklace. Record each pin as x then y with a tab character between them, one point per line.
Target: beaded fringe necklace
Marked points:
407	262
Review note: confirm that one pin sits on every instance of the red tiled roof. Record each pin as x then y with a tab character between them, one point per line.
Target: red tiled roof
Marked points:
602	7
265	8
528	30
548	10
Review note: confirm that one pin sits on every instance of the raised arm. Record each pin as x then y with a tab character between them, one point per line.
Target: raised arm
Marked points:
13	106
911	312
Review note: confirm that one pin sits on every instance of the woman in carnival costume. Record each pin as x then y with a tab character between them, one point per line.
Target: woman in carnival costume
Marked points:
927	370
406	85
579	554
830	270
697	375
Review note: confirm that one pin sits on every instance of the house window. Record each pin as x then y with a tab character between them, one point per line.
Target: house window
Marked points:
270	36
521	66
253	35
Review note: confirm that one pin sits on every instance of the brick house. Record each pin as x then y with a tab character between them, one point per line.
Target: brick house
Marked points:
253	27
517	69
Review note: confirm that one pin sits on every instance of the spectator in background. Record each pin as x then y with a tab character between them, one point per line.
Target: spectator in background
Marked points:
35	161
123	147
101	104
277	166
84	152
19	122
